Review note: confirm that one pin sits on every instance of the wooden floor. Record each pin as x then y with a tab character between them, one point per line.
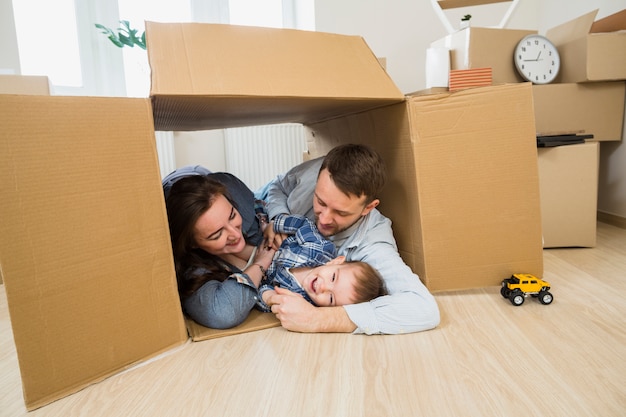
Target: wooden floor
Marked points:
487	358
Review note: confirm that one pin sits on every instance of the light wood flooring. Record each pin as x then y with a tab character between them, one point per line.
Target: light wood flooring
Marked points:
487	358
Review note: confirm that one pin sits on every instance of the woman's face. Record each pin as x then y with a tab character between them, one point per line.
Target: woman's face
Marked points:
218	230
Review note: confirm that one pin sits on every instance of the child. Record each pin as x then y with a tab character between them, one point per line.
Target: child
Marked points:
306	263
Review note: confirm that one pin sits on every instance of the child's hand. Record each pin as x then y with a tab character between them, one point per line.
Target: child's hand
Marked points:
273	239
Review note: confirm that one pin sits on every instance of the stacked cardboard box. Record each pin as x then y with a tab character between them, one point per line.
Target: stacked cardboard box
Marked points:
587	97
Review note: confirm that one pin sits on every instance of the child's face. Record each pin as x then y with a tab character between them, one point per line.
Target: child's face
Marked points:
331	284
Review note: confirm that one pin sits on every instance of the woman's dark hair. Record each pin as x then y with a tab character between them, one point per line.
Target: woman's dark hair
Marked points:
190	198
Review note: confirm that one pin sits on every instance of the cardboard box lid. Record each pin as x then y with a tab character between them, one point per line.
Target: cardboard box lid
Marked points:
84	242
207	76
574	29
612	23
591	51
585	24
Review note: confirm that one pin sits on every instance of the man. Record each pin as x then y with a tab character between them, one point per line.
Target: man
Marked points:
339	192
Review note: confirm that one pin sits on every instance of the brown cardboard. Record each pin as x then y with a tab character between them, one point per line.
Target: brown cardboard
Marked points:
453	4
568	179
463	192
255	321
590	108
476	47
24	84
21	84
591	51
208	76
84	242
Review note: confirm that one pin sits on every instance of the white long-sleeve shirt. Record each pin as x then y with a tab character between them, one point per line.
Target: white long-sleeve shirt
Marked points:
409	307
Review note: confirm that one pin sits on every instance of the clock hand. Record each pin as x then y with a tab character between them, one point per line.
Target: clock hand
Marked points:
538	56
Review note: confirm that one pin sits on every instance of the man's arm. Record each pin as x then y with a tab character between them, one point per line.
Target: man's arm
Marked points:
298	315
292	192
409	307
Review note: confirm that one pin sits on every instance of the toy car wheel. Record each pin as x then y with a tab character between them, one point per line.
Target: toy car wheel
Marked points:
545	297
504	291
516	298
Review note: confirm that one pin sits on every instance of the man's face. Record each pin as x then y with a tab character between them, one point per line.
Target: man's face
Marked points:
334	210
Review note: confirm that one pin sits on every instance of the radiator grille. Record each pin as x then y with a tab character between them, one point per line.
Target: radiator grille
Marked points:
257	154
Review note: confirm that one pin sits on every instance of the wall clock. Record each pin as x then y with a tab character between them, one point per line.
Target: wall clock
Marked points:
537	59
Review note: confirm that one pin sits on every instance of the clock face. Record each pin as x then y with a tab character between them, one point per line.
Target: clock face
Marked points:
537	59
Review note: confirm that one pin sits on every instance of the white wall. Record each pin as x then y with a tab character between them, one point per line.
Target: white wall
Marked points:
9	58
402	30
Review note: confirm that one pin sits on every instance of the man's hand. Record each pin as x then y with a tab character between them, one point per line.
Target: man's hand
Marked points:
274	240
298	315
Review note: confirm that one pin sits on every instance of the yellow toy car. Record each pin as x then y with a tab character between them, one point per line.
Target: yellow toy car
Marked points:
519	286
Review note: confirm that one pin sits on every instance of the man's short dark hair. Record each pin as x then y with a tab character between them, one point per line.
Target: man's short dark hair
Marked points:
356	169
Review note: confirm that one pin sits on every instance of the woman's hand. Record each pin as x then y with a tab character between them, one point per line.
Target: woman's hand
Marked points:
264	255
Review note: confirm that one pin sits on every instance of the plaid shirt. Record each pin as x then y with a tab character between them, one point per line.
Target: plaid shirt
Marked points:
304	247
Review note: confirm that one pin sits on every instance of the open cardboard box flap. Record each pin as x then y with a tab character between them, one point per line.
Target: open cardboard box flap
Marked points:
215	76
574	29
612	23
591	51
84	243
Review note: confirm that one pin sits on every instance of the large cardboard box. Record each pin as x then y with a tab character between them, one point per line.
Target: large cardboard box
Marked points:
568	178
476	47
591	51
590	108
463	191
84	242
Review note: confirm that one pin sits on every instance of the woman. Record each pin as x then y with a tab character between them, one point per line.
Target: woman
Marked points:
219	256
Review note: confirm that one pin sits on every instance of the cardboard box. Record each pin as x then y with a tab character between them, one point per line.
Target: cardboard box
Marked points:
591	51
476	47
84	241
460	164
87	260
19	84
208	76
568	179
24	84
463	190
591	108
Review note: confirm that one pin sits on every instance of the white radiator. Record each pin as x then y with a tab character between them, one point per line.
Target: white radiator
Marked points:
257	154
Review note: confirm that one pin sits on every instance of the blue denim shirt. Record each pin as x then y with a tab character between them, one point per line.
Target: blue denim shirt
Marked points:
224	304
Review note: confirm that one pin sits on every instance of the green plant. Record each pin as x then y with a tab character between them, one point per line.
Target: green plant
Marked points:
125	35
467	17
